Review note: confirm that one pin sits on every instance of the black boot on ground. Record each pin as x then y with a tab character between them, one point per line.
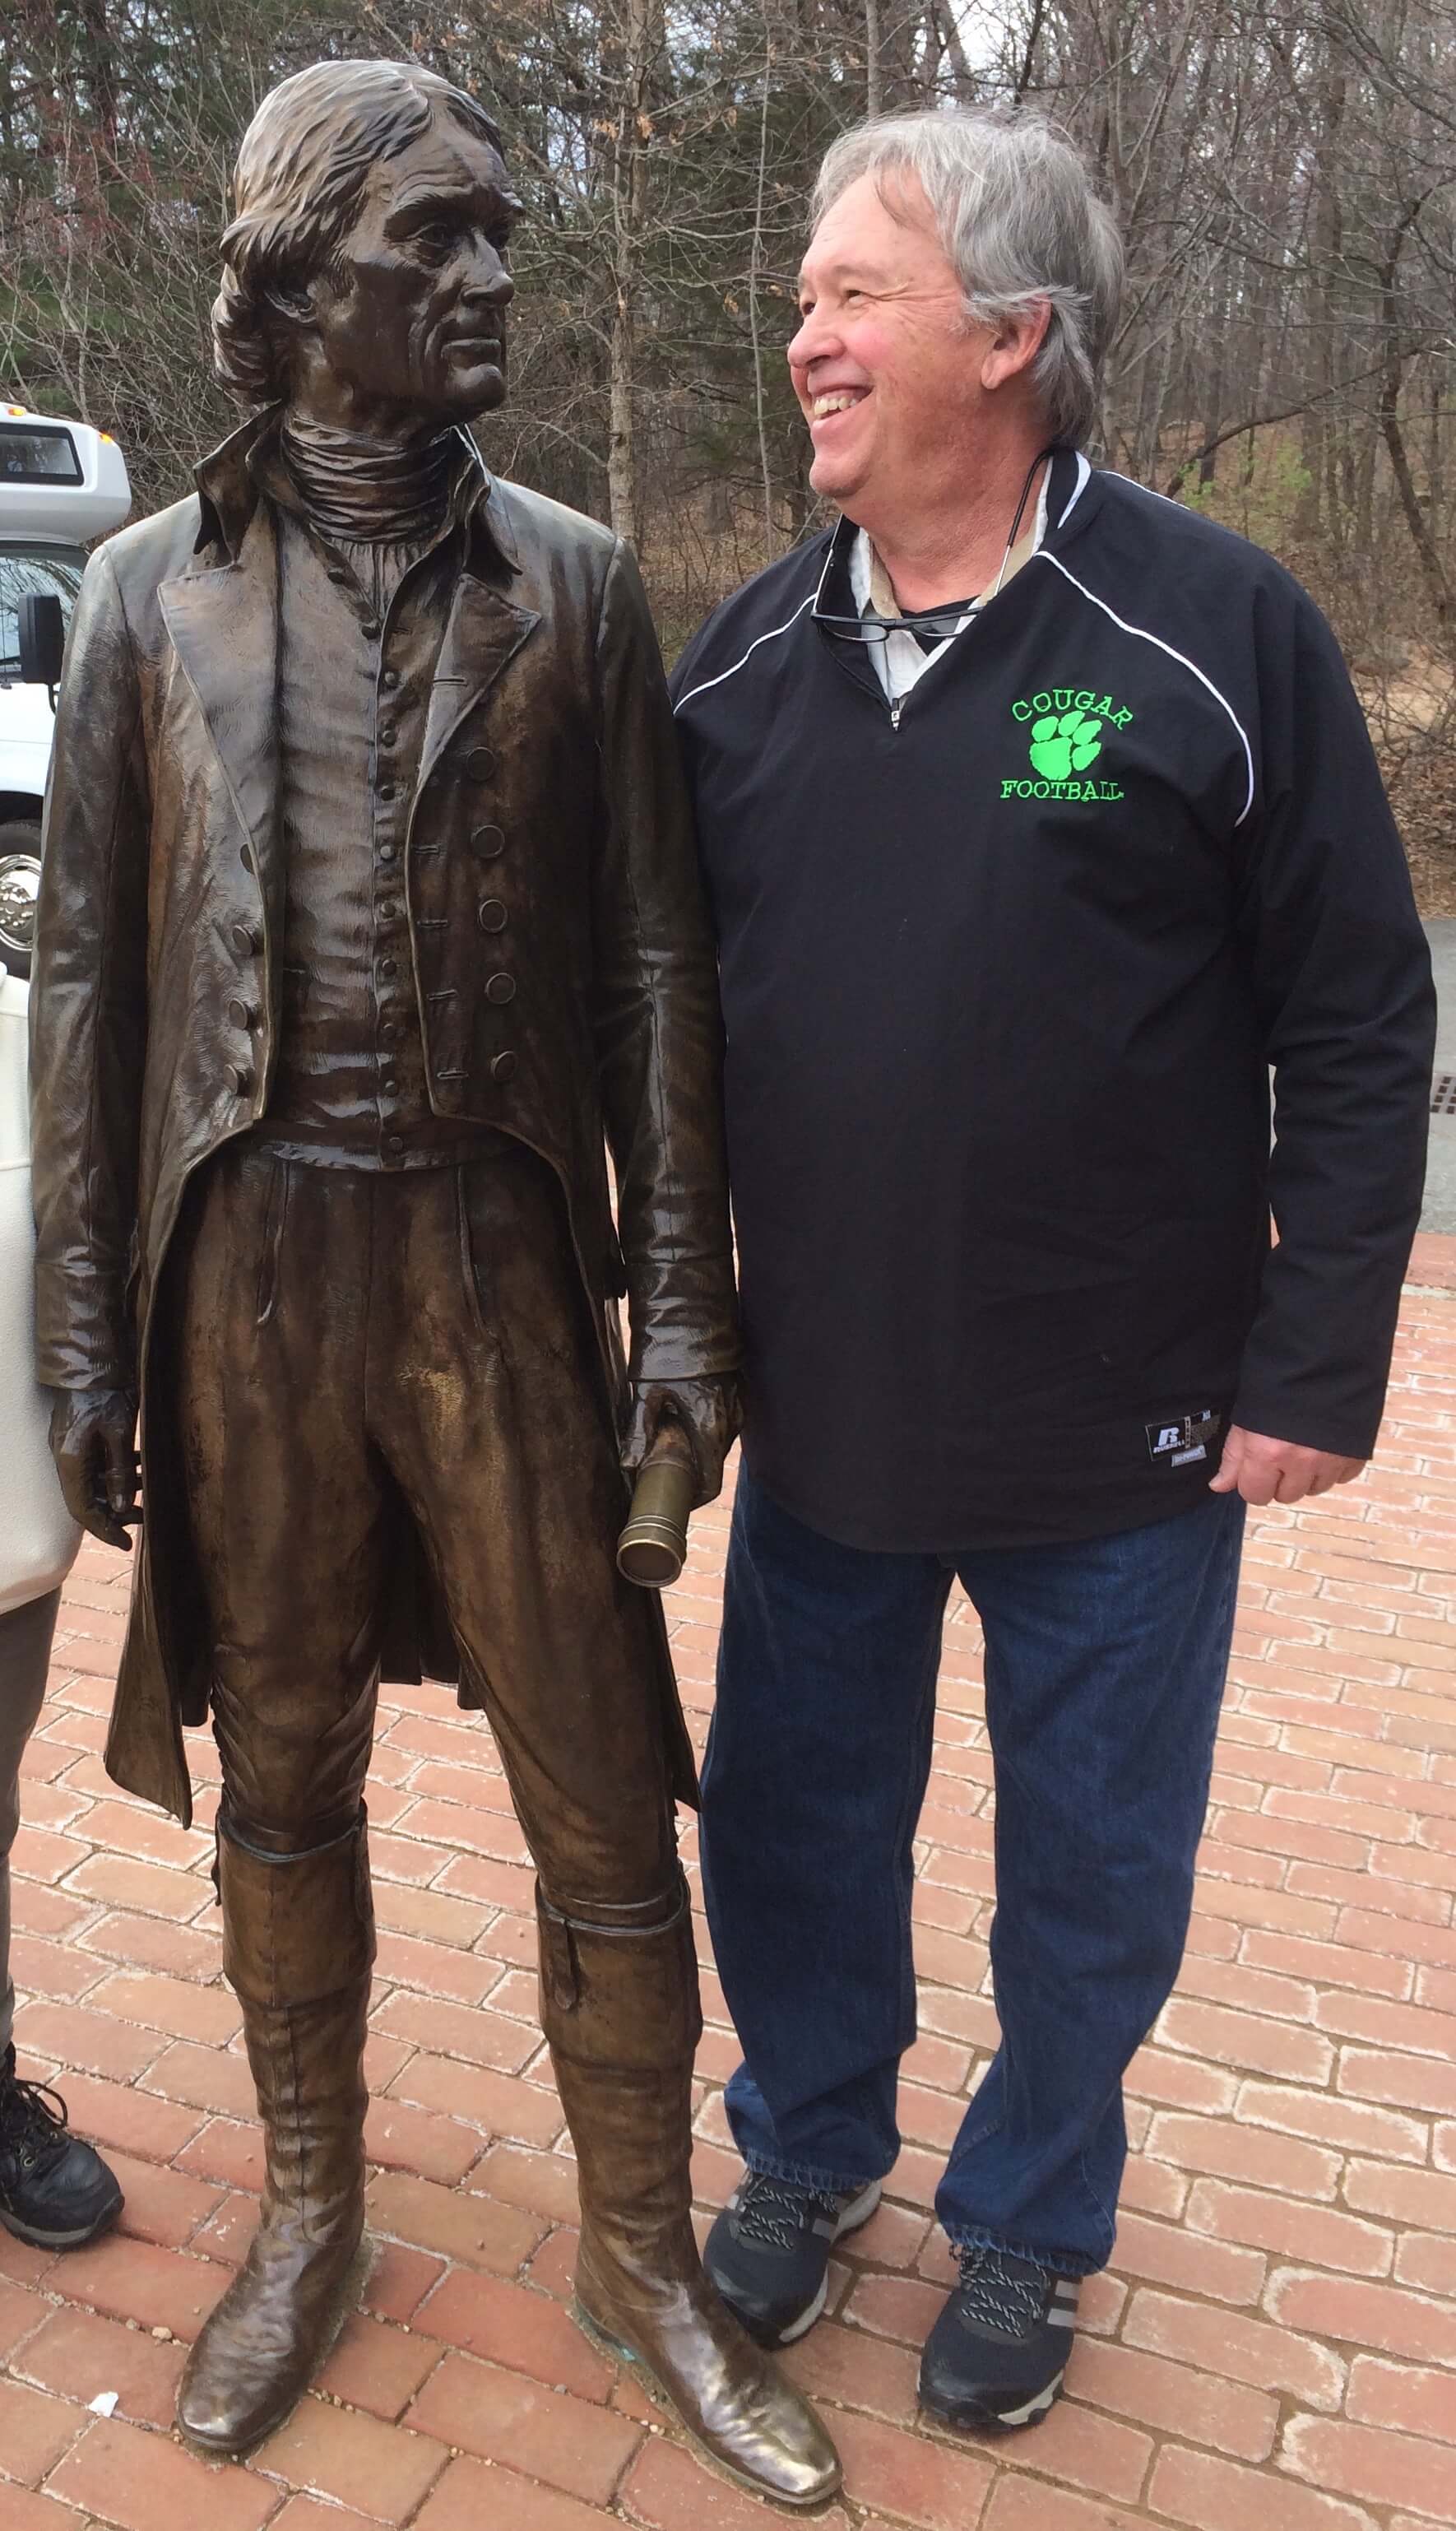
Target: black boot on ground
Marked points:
55	2192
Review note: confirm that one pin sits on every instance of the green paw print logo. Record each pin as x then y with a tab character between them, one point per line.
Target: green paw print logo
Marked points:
1065	745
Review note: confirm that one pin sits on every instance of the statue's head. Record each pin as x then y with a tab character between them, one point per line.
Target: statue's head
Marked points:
364	270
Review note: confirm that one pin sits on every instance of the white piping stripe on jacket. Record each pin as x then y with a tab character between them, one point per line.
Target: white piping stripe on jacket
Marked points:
1083	477
1152	490
812	601
1140	633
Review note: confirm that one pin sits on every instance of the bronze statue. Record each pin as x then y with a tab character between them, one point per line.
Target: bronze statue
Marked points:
369	907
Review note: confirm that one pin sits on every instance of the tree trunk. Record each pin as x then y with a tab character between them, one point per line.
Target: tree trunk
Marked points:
621	432
639	44
1415	519
873	75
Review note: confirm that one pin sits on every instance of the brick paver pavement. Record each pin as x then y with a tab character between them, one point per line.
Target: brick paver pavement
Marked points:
1275	2345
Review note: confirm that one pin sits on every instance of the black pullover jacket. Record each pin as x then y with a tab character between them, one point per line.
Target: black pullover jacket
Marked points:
1004	969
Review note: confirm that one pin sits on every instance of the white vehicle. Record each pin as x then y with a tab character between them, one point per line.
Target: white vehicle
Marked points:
61	484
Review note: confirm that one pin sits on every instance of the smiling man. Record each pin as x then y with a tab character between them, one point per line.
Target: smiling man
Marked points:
1040	820
370	910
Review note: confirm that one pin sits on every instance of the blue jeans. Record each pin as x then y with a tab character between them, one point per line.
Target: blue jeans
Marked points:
1104	1669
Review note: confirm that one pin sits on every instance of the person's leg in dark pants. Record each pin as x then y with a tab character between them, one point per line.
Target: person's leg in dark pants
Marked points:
1105	1666
816	1771
55	2191
1104	1669
25	1634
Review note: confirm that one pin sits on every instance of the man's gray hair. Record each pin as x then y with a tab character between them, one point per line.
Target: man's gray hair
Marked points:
1019	220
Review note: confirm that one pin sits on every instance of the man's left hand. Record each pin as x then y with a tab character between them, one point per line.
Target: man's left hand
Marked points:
1264	1470
708	1413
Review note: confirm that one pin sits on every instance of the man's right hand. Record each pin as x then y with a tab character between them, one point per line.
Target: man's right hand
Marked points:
93	1432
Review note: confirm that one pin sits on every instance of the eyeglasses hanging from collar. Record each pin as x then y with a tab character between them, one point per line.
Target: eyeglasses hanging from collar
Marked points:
933	624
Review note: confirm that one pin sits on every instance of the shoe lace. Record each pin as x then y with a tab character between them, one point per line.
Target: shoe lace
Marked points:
33	2120
1007	2296
772	2210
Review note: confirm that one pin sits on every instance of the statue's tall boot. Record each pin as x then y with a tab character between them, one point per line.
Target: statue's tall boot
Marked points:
298	1950
619	2006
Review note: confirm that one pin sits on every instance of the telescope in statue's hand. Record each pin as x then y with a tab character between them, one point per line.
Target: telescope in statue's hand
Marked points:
653	1546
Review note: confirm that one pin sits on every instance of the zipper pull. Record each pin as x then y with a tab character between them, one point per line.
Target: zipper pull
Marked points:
895	710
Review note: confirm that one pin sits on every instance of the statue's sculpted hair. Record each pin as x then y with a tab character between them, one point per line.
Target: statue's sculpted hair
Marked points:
300	172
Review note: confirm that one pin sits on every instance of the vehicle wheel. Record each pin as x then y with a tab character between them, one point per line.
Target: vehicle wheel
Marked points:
20	885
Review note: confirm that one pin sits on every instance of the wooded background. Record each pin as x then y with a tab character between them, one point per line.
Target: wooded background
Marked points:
1285	176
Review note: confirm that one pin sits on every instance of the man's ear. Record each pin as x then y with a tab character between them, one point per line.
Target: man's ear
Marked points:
1015	343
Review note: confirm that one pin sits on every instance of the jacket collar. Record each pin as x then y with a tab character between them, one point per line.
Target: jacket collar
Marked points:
228	491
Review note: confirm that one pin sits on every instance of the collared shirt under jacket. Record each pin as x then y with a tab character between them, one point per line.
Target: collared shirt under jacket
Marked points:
1004	967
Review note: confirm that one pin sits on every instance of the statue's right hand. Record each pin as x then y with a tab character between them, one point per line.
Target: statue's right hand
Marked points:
92	1435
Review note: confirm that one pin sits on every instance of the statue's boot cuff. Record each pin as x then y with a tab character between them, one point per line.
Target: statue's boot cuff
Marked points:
298	1947
619	2006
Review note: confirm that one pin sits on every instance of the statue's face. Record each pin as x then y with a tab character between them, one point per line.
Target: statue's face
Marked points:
410	320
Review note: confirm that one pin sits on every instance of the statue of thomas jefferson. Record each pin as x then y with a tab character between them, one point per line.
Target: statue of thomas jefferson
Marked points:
369	915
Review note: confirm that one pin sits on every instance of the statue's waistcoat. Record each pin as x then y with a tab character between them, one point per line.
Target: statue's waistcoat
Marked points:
359	629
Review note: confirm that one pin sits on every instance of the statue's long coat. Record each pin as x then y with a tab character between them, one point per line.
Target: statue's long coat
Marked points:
162	904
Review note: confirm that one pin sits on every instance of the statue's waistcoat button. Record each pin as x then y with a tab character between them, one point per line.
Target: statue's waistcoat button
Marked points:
492	915
479	764
248	940
486	843
503	1066
500	988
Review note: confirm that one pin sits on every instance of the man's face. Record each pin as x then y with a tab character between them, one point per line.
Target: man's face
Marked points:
886	367
409	320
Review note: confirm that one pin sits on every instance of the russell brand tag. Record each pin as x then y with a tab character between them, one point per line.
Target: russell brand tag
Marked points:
1180	1439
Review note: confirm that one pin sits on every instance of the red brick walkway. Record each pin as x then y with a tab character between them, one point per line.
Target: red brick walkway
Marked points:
1274	2346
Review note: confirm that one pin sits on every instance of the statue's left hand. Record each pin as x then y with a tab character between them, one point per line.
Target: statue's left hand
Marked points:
91	1432
708	1412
